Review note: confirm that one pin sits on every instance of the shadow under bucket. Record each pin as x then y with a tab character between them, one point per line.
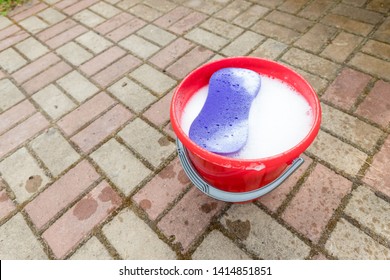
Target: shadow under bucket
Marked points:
233	179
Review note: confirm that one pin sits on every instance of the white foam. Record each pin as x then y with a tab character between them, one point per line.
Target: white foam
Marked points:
278	120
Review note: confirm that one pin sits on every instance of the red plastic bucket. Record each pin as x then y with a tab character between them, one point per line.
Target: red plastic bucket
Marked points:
232	174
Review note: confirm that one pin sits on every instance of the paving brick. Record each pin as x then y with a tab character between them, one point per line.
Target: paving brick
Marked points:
126	29
29	179
11	30
377	176
189	218
350	25
316	9
11	61
172	16
311	63
158	113
349	243
77	86
67	232
85	113
29	12
376	105
61	194
147	141
56	153
156	35
94	42
270	49
171	53
262	235
12	40
46	77
189	62
113	23
370	211
89	18
274	199
160	82
292	6
116	70
206	38
358	14
10	94
382	33
121	166
371	65
346	88
243	44
169	130
162	190
250	16
65	3
232	10
66	36
276	31
317	37
6	205
161	5
104	9
204	6
145	12
32	48
139	46
102	60
101	128
18	242
80	5
4	22
222	28
342	46
53	101
218	247
318	83
126	4
376	48
91	250
188	22
379	6
134	240
350	128
14	115
33	24
74	54
312	207
56	29
51	16
289	20
21	133
339	154
131	94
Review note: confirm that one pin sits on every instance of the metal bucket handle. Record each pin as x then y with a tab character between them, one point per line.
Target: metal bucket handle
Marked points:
213	192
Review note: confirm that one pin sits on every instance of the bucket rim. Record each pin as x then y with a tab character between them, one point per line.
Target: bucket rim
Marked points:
286	157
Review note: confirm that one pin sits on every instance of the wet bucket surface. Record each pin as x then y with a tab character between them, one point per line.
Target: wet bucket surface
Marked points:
233	174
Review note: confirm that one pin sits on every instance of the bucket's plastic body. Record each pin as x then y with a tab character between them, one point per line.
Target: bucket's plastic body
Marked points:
232	174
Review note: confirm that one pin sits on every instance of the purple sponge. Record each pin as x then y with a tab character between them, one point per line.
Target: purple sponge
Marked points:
222	124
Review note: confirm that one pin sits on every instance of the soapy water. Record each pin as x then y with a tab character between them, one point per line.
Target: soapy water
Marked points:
279	118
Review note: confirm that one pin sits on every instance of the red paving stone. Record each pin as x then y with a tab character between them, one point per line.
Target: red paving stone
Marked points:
126	29
173	16
377	175
158	113
29	12
346	88
81	5
186	23
6	205
78	221
66	36
17	113
189	218
171	53
85	113
61	193
376	106
101	128
21	133
312	207
56	29
162	190
113	23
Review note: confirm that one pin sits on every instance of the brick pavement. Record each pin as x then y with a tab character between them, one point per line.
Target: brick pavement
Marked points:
88	167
